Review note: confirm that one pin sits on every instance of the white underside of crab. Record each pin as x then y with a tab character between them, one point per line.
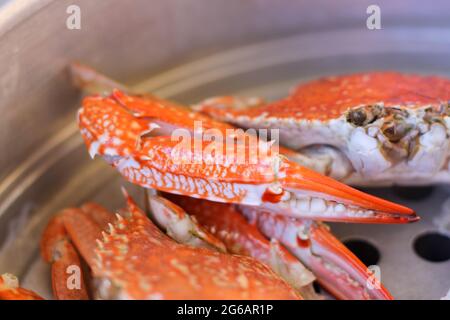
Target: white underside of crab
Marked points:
357	155
289	232
312	205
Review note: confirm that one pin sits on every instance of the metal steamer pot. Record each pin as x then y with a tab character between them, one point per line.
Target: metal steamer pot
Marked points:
187	50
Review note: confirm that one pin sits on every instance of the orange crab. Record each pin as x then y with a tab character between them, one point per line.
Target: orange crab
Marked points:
375	128
278	197
131	134
295	247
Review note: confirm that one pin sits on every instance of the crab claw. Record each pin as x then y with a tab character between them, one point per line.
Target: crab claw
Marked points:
10	290
308	194
118	128
337	269
180	226
92	81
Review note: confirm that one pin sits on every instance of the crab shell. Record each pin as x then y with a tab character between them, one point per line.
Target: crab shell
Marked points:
135	260
120	128
390	127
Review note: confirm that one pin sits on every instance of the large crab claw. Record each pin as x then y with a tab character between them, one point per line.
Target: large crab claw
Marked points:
337	269
392	128
307	243
120	128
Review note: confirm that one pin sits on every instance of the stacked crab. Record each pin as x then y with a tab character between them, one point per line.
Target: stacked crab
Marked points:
215	228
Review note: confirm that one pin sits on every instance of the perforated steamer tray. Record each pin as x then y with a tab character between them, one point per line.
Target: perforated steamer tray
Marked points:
268	69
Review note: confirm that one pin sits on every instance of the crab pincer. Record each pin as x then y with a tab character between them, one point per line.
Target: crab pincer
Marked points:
125	131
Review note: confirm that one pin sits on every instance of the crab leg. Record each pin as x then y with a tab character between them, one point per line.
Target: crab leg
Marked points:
58	250
337	269
70	229
240	237
180	226
10	290
120	129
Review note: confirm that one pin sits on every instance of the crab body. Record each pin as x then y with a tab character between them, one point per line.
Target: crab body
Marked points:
130	258
388	127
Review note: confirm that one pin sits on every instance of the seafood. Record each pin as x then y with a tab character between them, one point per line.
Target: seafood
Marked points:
291	241
132	134
135	260
375	128
278	196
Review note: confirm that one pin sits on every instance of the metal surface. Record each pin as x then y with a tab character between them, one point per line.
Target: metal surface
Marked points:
248	49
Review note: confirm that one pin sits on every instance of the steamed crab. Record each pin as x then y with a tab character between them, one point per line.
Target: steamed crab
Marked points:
268	211
132	133
375	128
130	258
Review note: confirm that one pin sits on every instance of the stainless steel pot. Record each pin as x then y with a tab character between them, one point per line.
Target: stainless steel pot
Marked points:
187	50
